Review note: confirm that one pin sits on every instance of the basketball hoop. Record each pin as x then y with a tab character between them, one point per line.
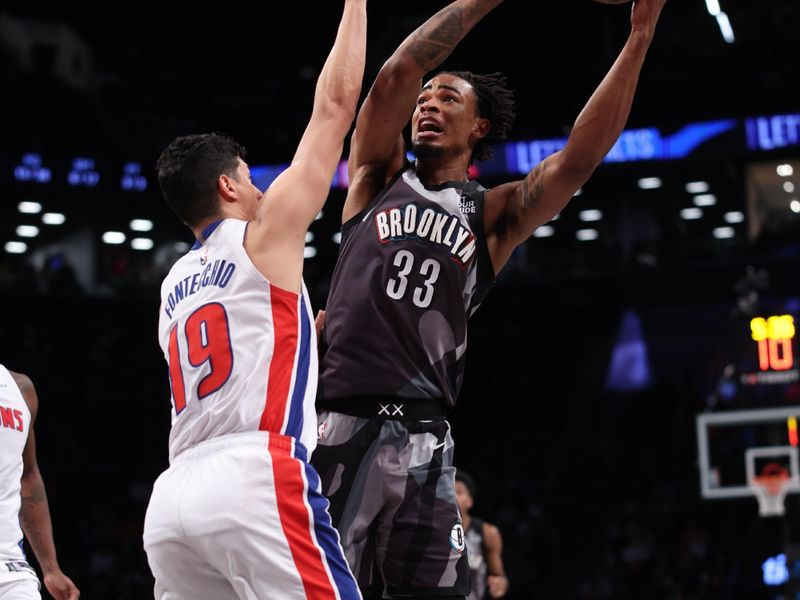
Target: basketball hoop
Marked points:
770	489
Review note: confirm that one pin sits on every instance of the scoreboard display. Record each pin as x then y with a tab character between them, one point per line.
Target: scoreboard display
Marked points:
773	339
763	368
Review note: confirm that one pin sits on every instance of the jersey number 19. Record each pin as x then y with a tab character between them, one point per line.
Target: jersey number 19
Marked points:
208	340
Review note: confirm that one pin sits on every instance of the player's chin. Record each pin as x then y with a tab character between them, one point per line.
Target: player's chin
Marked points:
426	149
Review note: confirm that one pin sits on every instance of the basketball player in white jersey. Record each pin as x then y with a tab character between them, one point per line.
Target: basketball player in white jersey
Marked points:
239	513
23	501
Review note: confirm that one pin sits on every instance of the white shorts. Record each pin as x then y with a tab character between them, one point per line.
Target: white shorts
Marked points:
242	516
20	589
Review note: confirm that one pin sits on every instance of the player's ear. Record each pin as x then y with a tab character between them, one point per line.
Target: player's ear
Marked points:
226	188
481	128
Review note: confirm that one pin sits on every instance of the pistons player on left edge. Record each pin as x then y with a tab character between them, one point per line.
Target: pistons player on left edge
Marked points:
23	500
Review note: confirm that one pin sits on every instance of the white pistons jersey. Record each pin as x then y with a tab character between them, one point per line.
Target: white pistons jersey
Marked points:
242	352
15	421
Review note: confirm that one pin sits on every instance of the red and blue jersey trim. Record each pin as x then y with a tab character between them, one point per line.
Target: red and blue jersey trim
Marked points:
303	512
290	364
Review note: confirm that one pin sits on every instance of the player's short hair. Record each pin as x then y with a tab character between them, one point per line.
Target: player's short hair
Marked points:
495	103
188	170
468	481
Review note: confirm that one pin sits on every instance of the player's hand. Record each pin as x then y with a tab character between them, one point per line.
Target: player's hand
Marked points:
60	586
319	322
498	585
645	13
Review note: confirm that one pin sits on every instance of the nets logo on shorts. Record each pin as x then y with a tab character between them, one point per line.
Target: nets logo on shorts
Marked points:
457	540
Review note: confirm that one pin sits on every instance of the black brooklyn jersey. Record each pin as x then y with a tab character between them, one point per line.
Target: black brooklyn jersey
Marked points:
413	266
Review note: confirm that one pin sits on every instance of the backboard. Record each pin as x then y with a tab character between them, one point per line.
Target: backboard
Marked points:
738	451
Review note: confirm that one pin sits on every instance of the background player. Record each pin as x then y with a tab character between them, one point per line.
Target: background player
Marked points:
484	545
23	500
421	245
239	512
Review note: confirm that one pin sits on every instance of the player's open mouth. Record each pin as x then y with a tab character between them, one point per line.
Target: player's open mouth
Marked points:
428	130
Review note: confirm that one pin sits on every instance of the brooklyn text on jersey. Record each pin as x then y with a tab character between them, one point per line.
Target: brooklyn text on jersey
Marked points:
438	227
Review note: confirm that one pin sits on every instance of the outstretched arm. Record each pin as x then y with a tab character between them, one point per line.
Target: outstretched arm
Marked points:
497	582
298	194
515	209
377	150
34	512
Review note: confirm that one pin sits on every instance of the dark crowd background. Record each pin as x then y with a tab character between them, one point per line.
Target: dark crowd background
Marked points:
594	486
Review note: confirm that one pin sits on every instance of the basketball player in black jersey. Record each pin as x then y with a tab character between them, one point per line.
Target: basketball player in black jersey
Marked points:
484	545
421	245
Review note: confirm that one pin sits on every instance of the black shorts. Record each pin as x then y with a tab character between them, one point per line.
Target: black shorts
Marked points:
391	485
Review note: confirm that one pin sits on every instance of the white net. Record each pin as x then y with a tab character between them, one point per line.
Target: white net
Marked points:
771	493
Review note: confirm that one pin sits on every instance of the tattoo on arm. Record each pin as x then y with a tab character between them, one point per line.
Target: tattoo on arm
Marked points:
433	43
533	187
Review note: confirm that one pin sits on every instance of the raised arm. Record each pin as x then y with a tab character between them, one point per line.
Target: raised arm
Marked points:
34	515
275	240
377	149
515	209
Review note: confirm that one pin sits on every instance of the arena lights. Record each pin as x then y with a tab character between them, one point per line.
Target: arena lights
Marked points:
691	214
309	252
31	169
16	247
697	187
785	170
587	235
544	231
775	571
29	208
734	217
794	205
650	183
141	243
141	225
722	20
53	218
132	178
723	233
181	247
114	237
309	237
590	215
788	187
705	200
83	173
27	231
337	237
